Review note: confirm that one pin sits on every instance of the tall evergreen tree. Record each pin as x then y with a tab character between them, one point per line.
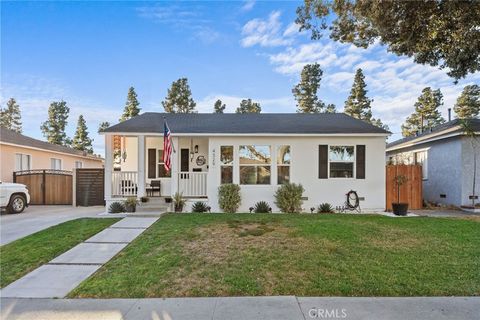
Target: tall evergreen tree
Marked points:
248	106
305	92
54	128
10	117
179	98
468	103
81	141
131	106
219	107
330	108
426	108
103	125
358	104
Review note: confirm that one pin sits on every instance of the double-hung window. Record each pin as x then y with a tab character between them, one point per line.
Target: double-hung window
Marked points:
283	164
341	159
55	164
78	164
22	162
255	164
161	172
226	167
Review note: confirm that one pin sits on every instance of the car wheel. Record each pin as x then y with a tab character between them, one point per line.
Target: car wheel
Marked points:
17	204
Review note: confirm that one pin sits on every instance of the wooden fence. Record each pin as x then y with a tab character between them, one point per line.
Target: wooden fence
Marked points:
410	191
89	187
46	186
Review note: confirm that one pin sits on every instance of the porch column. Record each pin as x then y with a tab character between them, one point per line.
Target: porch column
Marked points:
108	166
141	166
174	164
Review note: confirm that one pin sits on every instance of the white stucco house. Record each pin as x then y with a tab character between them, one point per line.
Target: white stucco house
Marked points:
446	156
329	154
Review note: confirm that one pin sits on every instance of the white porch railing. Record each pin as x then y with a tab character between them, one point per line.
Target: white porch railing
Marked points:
192	184
124	183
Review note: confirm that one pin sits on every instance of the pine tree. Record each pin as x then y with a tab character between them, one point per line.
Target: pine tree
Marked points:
358	104
103	125
179	98
330	108
54	128
426	108
131	106
380	124
81	141
468	103
248	106
305	92
10	117
219	107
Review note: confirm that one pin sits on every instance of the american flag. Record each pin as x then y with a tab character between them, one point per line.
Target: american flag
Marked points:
167	146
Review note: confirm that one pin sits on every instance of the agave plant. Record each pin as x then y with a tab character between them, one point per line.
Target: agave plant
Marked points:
262	207
116	207
199	206
325	208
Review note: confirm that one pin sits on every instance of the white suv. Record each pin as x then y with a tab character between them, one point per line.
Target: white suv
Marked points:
14	197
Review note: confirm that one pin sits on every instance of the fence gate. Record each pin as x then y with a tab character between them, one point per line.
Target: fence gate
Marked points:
89	187
410	191
46	186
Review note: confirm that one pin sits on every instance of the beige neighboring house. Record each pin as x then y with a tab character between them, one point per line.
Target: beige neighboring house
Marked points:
19	152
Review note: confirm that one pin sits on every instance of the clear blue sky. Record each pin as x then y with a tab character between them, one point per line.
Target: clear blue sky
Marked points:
89	53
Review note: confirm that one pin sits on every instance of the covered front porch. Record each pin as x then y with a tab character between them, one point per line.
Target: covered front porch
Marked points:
134	167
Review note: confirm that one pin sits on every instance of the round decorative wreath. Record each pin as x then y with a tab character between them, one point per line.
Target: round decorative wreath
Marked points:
200	160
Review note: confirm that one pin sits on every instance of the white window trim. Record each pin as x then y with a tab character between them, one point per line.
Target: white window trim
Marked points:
81	164
61	163
277	165
160	162
425	165
354	161
272	165
23	154
232	164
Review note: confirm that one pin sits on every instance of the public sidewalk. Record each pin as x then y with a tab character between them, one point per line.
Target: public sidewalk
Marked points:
62	274
244	308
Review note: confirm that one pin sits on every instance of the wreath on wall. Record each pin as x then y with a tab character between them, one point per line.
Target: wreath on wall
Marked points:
200	161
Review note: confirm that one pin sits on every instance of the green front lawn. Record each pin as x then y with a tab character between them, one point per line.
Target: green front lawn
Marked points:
23	255
304	255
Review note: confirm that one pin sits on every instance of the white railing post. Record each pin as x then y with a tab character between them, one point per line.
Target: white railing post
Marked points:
108	166
125	184
141	166
192	184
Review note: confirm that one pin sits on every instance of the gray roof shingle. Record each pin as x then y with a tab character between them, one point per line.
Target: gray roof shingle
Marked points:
9	136
249	123
475	124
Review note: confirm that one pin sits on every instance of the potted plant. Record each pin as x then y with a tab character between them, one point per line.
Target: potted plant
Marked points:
399	208
178	202
144	199
130	204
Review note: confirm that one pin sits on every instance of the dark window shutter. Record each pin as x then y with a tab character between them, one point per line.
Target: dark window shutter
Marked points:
152	163
360	161
184	160
323	161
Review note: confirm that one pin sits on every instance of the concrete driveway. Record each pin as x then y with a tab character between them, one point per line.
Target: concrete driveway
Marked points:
36	218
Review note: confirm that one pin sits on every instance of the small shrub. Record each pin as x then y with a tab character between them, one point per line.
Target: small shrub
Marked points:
116	207
325	208
229	197
262	207
199	207
288	197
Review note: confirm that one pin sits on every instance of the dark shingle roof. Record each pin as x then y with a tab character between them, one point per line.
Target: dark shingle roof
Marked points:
9	136
475	124
248	123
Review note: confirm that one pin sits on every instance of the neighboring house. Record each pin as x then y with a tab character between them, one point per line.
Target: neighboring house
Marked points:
19	152
329	154
446	156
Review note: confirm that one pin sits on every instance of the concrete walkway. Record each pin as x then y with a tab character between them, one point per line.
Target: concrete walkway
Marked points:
248	308
61	275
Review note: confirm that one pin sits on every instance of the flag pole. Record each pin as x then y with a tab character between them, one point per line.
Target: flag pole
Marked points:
166	123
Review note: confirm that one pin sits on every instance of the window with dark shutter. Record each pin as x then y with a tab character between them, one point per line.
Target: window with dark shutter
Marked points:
323	161
361	161
152	163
